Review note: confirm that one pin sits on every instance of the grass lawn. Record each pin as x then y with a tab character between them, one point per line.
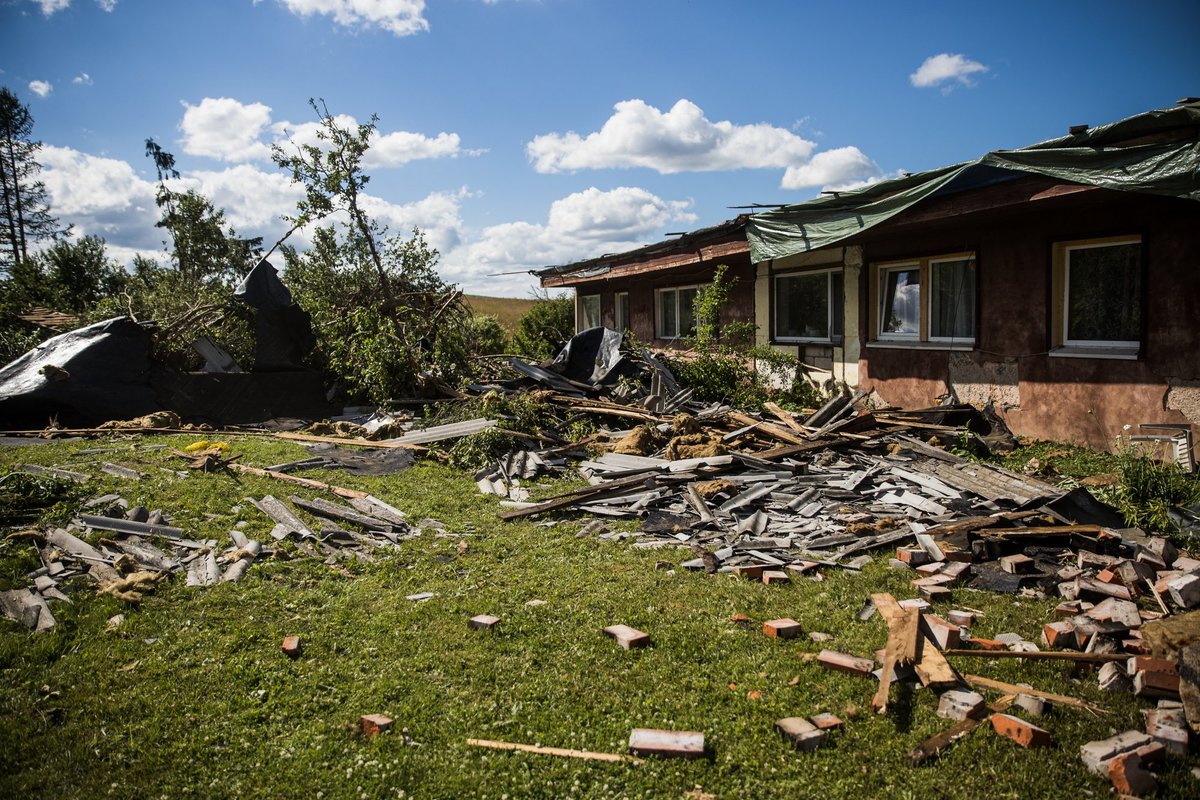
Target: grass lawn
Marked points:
192	696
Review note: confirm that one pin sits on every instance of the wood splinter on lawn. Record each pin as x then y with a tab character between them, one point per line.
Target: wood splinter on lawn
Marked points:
586	755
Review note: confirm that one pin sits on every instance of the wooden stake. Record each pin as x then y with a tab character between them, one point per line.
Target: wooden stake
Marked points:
586	755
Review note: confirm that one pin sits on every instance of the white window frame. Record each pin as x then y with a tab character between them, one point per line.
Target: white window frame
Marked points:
659	333
621	313
1093	348
922	338
830	303
580	301
927	303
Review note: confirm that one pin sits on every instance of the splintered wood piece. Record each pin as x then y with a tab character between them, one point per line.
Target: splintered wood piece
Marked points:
902	647
934	745
1061	699
586	755
931	666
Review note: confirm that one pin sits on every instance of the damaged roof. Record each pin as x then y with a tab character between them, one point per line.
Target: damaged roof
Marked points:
1157	152
694	247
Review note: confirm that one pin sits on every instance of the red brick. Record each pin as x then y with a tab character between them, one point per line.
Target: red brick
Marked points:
374	724
1023	733
291	646
773	576
826	722
628	637
1110	575
945	635
843	662
1153	755
913	556
963	619
753	572
987	644
935	592
1060	635
1148	683
1017	564
740	619
1139	663
1129	776
803	735
782	628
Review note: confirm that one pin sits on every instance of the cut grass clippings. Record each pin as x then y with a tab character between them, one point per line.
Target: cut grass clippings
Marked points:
193	697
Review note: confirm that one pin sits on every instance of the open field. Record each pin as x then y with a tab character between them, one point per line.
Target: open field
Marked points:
192	697
507	310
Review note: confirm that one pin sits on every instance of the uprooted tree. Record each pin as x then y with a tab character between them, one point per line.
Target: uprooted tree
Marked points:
386	322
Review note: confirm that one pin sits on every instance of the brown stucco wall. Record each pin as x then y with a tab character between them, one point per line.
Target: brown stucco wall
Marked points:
1082	400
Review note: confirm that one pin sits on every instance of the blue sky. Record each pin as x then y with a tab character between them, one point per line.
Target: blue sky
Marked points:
524	133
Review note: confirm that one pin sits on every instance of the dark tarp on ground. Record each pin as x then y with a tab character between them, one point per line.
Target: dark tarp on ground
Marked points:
592	357
1169	169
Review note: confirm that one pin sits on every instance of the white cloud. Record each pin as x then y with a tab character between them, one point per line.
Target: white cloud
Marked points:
41	88
399	17
943	67
832	169
52	6
400	147
225	129
82	79
107	5
581	225
679	140
101	196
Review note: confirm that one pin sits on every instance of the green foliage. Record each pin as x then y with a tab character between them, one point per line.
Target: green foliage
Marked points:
25	496
25	216
488	336
724	365
545	328
480	449
1150	488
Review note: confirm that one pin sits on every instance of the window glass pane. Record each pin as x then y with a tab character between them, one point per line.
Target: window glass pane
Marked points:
687	314
901	306
622	311
802	306
666	314
953	300
589	311
1104	293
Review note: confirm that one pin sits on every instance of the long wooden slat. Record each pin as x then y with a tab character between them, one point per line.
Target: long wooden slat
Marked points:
934	745
308	482
307	437
1061	699
1040	655
586	755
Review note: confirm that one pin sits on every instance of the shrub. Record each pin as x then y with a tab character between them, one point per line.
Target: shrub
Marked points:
545	328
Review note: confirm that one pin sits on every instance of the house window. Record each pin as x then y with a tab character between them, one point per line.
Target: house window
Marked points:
929	300
587	312
675	315
809	306
1098	297
621	303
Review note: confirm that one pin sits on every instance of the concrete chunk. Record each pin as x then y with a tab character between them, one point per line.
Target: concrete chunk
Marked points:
483	622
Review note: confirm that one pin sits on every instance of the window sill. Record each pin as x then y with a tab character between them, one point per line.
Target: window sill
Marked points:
883	344
1074	351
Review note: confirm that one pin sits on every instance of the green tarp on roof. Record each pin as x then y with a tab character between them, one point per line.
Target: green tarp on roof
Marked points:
1167	169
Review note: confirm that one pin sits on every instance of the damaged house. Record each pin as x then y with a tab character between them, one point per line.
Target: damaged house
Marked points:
1057	282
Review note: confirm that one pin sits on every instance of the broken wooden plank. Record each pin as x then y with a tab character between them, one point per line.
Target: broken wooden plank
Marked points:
307	482
934	745
586	755
931	666
1040	655
1062	699
385	443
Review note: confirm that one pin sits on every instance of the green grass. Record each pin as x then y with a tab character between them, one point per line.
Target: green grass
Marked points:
507	310
193	698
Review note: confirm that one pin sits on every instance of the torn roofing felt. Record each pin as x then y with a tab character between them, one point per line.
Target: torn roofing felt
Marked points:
1170	168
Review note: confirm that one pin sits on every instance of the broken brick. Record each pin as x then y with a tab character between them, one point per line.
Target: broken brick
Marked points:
740	619
913	556
483	622
291	646
1017	564
1130	777
1097	754
628	637
1023	733
773	576
963	619
959	704
1185	591
826	721
1060	634
1150	683
843	662
374	724
753	572
785	628
671	744
803	735
945	635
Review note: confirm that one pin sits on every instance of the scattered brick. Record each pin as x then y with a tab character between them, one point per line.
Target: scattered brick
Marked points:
1152	754
1023	733
945	635
1033	706
1111	609
963	619
987	644
826	721
1112	678
1185	591
372	725
1096	755
960	704
1017	564
752	572
1168	727
628	637
1150	683
671	744
913	556
1060	635
1140	663
1130	777
934	593
1100	590
483	622
843	662
785	628
740	619
804	735
773	576
291	646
